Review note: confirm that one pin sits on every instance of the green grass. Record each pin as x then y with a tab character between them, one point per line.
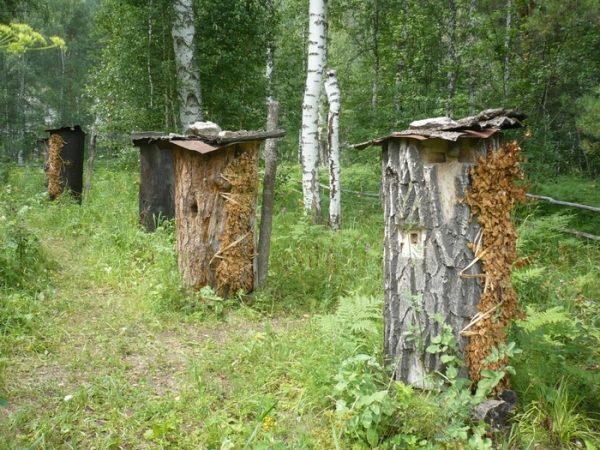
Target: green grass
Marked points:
101	346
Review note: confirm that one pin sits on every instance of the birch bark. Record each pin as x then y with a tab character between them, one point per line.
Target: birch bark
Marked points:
188	74
309	141
332	90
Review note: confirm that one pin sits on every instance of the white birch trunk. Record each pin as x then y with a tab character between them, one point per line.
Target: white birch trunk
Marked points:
310	109
332	89
188	74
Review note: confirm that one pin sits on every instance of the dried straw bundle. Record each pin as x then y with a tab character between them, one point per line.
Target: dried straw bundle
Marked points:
55	162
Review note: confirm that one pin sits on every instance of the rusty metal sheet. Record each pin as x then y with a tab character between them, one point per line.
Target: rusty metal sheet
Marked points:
195	146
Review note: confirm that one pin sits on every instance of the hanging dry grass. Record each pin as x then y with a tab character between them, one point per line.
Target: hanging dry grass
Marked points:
236	255
492	196
55	163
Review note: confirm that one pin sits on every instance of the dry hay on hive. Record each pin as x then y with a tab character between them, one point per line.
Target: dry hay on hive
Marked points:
492	196
55	163
235	269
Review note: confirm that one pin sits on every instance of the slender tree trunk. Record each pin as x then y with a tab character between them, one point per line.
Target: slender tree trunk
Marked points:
310	109
270	156
268	197
148	57
506	71
332	89
472	64
452	57
188	74
323	131
376	62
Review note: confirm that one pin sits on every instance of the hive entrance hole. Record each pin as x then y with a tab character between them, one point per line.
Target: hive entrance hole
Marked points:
194	208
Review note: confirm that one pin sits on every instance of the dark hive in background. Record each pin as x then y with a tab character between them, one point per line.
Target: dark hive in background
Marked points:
157	181
64	165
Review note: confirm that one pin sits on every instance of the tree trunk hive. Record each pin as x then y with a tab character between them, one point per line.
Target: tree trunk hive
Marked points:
64	162
216	187
431	271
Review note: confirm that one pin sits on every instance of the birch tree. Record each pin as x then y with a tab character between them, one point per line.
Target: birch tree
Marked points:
309	142
188	74
332	90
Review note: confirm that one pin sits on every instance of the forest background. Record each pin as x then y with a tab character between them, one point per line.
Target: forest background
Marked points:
80	285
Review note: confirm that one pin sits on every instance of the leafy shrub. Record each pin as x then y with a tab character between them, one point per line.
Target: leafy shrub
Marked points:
23	263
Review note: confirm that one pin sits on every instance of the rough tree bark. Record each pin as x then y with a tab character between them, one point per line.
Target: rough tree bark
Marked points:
188	74
332	89
215	210
310	109
427	232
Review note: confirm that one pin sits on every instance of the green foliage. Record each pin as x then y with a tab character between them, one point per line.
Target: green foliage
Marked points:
20	38
365	408
145	363
554	422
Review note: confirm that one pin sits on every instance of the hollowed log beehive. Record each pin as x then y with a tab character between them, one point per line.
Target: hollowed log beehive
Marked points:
216	185
431	271
64	161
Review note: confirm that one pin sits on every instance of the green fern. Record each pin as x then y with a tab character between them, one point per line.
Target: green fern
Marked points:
358	319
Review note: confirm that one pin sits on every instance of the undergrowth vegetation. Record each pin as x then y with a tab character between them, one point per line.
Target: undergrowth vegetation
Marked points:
102	347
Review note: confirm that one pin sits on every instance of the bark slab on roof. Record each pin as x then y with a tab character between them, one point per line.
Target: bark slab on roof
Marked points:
482	126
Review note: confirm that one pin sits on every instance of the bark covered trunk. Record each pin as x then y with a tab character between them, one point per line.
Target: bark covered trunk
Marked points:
332	89
427	232
215	205
309	141
188	74
268	197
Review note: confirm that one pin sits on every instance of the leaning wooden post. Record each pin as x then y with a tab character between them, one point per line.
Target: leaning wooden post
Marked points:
157	180
216	188
64	165
433	245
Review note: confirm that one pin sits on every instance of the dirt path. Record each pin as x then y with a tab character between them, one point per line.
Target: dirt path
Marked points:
103	356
